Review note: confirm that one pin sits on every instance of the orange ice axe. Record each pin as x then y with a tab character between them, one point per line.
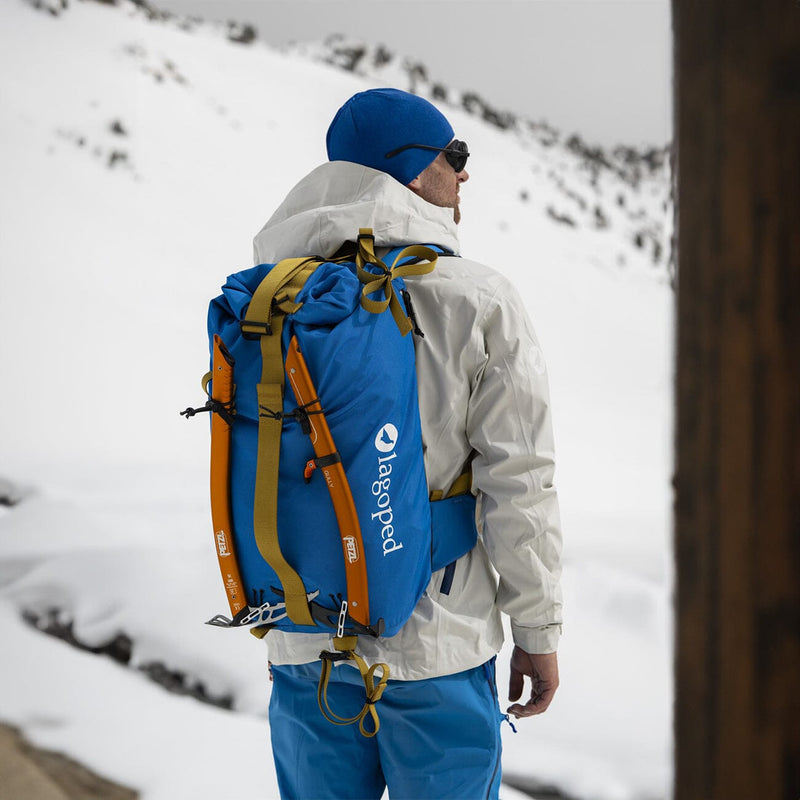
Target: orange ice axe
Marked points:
330	462
222	390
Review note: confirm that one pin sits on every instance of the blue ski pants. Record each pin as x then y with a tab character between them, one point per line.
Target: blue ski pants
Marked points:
439	738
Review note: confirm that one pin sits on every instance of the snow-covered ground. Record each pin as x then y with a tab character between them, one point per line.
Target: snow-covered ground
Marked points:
138	159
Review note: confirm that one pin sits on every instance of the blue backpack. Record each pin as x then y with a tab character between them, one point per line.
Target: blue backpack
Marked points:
328	525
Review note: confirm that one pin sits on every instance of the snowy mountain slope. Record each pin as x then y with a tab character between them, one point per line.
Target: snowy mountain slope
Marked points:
139	156
624	190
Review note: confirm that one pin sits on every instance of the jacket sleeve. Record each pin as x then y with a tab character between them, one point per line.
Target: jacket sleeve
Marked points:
509	426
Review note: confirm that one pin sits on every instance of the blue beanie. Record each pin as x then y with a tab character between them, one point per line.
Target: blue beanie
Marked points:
373	123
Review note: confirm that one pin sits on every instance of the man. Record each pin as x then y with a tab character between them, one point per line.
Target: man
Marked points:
395	167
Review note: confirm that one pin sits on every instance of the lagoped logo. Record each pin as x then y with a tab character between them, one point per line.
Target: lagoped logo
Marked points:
386	438
383	516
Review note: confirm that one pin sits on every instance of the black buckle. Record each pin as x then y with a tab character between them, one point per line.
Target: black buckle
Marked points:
261	328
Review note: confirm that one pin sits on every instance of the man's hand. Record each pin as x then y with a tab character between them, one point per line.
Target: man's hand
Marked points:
543	672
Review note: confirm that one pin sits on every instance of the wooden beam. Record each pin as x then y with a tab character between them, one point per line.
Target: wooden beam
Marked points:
737	510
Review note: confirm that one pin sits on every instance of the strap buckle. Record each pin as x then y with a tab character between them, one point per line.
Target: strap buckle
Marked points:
252	328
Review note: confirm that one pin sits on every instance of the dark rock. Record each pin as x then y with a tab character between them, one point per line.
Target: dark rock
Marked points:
241	32
120	649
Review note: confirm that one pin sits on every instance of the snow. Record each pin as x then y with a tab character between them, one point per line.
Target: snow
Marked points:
106	272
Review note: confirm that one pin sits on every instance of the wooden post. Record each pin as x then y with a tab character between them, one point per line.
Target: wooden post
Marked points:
737	101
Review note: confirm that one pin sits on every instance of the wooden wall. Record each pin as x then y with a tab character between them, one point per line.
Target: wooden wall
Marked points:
737	522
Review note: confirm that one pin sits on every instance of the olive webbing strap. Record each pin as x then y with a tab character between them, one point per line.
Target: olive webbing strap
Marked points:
374	282
289	274
345	651
264	318
461	485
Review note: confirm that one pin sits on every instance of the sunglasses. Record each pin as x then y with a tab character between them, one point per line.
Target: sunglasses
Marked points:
456	152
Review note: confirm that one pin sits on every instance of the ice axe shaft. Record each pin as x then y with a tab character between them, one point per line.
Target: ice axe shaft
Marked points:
329	462
222	390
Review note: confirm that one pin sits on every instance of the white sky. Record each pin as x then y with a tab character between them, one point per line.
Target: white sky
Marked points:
599	67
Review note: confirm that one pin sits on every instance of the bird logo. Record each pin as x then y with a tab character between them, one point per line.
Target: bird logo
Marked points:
386	439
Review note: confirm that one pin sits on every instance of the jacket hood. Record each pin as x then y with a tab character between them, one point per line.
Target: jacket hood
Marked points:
328	206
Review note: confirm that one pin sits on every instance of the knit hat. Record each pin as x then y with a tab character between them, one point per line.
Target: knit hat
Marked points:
373	123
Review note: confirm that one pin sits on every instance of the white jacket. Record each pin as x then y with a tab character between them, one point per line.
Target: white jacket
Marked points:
482	390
